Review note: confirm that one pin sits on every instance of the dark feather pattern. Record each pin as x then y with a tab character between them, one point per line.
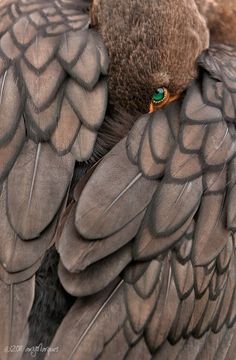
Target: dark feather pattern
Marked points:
51	303
13	249
44	53
100	219
179	287
15	305
196	111
135	136
34	168
103	307
185	198
9	115
96	276
77	253
210	233
148	239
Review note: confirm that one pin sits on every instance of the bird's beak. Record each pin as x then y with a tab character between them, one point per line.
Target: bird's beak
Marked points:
154	107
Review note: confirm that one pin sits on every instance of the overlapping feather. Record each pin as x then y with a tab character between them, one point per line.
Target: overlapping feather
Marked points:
176	170
48	56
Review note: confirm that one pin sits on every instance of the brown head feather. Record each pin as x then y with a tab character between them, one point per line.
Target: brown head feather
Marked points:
151	44
220	15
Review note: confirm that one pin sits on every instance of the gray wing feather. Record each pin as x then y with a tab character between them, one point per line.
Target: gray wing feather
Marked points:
179	286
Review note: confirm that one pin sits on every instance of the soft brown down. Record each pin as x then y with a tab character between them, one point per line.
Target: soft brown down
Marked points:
221	18
133	31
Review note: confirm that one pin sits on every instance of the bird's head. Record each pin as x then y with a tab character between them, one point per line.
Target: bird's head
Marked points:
152	44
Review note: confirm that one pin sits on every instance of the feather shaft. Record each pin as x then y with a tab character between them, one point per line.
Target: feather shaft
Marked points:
2	87
94	319
34	173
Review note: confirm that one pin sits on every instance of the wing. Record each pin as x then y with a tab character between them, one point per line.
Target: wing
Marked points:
53	98
148	246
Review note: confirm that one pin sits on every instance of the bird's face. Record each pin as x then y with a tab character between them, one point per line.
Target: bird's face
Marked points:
153	47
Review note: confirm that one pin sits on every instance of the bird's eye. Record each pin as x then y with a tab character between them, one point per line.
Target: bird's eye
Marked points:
160	98
159	95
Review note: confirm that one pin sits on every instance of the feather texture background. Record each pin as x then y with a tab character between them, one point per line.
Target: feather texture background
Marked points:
179	287
46	77
146	236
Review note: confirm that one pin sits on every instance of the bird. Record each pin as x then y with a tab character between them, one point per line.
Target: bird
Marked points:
117	180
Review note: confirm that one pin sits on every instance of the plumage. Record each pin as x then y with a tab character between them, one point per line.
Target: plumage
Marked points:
9	49
134	272
106	212
147	245
169	351
139	348
20	276
66	130
130	334
232	312
162	318
208	317
224	258
191	137
84	143
42	88
183	196
172	112
183	316
77	253
41	124
184	277
203	277
231	195
83	330
184	248
217	284
228	106
210	234
73	44
218	147
9	115
210	93
117	347
160	128
139	309
15	305
185	167
33	167
96	276
215	182
196	111
149	166
226	300
24	31
135	137
90	106
224	345
34	84
41	52
17	255
146	284
198	311
10	150
87	68
140	205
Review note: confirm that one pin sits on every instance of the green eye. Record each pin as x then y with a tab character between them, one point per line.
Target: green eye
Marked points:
159	95
161	98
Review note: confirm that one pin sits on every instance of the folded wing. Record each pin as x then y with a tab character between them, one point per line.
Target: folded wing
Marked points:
160	207
53	98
